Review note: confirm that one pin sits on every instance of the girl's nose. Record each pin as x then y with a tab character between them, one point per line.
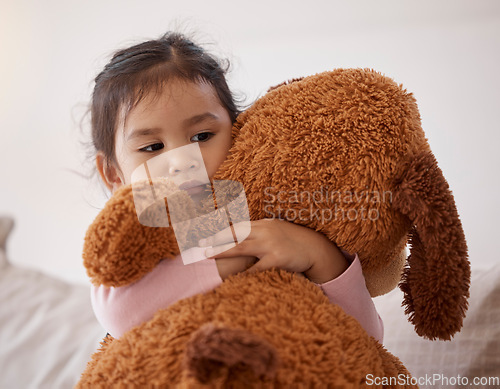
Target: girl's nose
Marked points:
183	166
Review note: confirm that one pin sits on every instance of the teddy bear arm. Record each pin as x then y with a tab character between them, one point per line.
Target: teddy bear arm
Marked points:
118	249
89	378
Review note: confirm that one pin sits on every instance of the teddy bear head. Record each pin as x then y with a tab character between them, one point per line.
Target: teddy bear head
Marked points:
342	152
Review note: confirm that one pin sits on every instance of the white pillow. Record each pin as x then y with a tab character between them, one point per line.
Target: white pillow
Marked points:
6	224
47	327
473	354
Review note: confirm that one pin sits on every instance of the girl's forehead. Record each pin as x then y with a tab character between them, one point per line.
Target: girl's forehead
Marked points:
175	96
176	91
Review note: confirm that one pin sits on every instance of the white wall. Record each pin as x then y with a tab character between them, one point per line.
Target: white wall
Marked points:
446	52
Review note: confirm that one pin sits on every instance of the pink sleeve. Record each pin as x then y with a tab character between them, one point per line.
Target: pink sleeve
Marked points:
121	309
349	291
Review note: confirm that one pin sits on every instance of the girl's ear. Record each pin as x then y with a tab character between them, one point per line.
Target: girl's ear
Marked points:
110	175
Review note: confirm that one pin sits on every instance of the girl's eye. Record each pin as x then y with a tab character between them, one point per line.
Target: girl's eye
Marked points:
202	137
153	147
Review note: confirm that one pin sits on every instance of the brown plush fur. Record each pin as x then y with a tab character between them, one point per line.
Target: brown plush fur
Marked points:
118	249
315	151
262	341
430	286
354	133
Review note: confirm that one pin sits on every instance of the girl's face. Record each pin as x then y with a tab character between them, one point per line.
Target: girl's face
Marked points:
184	113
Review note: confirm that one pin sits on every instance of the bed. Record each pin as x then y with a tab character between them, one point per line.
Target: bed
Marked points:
47	328
48	332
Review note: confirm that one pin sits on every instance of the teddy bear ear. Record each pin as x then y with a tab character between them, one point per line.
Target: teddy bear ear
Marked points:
436	277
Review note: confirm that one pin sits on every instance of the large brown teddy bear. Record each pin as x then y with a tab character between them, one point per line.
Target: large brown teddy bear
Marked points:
342	152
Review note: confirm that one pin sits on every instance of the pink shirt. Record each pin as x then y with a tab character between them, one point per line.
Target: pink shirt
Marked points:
121	309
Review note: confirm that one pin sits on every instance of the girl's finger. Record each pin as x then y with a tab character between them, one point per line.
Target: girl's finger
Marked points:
241	230
222	237
260	265
245	249
211	252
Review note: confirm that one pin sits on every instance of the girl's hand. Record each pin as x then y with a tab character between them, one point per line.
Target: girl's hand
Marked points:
234	265
281	244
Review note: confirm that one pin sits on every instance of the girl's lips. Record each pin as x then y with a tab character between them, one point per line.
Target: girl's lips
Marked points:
192	186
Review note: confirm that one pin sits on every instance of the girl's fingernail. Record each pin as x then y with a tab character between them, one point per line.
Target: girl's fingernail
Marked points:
209	252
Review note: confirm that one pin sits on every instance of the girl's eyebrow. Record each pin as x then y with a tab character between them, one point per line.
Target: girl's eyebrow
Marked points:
193	120
140	132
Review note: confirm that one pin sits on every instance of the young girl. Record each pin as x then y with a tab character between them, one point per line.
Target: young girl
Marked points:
166	93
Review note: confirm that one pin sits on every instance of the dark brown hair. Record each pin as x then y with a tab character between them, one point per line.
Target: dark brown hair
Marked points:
144	68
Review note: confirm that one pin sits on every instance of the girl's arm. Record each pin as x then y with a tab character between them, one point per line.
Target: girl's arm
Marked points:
349	291
120	309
